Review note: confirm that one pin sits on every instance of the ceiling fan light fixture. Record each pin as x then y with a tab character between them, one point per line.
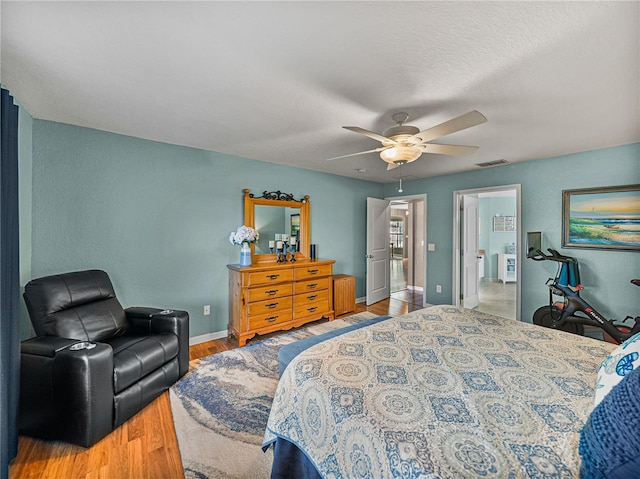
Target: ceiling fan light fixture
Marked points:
405	154
405	143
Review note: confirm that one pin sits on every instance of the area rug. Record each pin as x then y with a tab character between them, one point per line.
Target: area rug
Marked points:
221	407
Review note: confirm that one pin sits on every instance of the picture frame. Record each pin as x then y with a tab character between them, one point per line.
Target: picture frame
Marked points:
602	218
504	223
295	224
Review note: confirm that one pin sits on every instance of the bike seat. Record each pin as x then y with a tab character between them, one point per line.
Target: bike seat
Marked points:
636	282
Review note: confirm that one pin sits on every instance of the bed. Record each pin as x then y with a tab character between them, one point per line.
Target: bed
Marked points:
442	392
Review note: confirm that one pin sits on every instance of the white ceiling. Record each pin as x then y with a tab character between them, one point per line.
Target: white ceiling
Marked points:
276	81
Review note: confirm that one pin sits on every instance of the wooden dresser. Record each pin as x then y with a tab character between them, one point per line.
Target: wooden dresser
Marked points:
269	297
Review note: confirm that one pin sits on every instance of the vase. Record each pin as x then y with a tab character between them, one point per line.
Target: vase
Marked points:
245	255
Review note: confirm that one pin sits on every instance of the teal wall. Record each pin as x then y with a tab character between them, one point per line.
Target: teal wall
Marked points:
604	273
157	217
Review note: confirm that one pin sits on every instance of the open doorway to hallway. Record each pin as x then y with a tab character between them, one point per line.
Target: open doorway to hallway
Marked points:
498	246
497	241
407	245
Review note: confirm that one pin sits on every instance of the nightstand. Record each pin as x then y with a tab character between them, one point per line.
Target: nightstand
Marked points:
344	294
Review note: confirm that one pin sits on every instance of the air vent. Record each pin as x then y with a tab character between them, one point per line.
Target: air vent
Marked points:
492	163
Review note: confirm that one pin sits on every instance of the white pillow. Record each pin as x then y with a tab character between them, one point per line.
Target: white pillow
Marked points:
624	359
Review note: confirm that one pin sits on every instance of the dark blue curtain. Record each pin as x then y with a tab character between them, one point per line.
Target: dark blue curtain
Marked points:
9	282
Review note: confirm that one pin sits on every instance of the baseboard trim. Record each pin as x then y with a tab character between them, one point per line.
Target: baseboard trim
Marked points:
203	338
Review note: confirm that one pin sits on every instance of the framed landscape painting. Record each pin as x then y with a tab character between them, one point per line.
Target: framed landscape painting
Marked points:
603	218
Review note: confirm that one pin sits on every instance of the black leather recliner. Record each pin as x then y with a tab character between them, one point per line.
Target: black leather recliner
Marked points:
93	364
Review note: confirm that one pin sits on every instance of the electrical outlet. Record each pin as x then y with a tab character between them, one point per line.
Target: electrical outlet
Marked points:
207	310
438	288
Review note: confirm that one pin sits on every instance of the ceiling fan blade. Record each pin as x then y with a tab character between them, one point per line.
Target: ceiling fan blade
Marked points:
370	134
459	123
451	150
391	166
359	153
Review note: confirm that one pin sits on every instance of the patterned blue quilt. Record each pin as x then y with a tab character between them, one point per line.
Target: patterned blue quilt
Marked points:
442	392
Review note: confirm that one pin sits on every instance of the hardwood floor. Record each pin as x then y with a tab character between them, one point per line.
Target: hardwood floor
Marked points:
146	445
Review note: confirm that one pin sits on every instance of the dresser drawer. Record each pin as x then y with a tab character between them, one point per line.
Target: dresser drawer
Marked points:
311	285
305	309
312	271
267	292
310	297
309	303
268	319
269	277
269	306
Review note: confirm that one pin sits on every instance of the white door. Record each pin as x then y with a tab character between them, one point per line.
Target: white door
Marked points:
378	251
470	278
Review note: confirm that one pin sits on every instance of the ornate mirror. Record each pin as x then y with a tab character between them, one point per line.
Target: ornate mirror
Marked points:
275	214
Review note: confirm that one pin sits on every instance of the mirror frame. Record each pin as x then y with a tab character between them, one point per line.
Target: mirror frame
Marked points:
277	198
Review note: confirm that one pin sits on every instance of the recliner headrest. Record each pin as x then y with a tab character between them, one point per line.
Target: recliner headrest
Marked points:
54	293
78	305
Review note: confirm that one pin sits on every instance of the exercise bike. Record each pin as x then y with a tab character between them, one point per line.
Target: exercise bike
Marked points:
573	312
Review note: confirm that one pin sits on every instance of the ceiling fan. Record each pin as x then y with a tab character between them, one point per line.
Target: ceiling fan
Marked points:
405	143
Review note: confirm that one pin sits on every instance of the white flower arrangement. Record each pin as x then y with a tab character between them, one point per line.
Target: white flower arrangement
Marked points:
244	234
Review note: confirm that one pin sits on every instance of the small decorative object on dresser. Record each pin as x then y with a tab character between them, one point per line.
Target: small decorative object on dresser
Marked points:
243	236
282	290
245	255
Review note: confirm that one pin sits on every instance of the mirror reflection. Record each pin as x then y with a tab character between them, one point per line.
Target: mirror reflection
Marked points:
273	222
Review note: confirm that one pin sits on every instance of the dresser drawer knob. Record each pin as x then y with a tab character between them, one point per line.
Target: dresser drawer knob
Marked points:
271	305
311	310
312	297
271	319
312	285
313	271
273	276
271	292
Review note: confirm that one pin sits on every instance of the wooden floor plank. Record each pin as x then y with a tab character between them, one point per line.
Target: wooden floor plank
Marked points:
137	459
146	445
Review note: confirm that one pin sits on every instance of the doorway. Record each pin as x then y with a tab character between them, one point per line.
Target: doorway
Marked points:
497	277
409	251
399	254
407	240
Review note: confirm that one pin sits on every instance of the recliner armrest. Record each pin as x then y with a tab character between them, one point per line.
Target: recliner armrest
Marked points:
46	345
155	320
66	393
144	320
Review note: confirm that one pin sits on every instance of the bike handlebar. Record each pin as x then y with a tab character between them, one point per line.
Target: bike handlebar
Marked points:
554	256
